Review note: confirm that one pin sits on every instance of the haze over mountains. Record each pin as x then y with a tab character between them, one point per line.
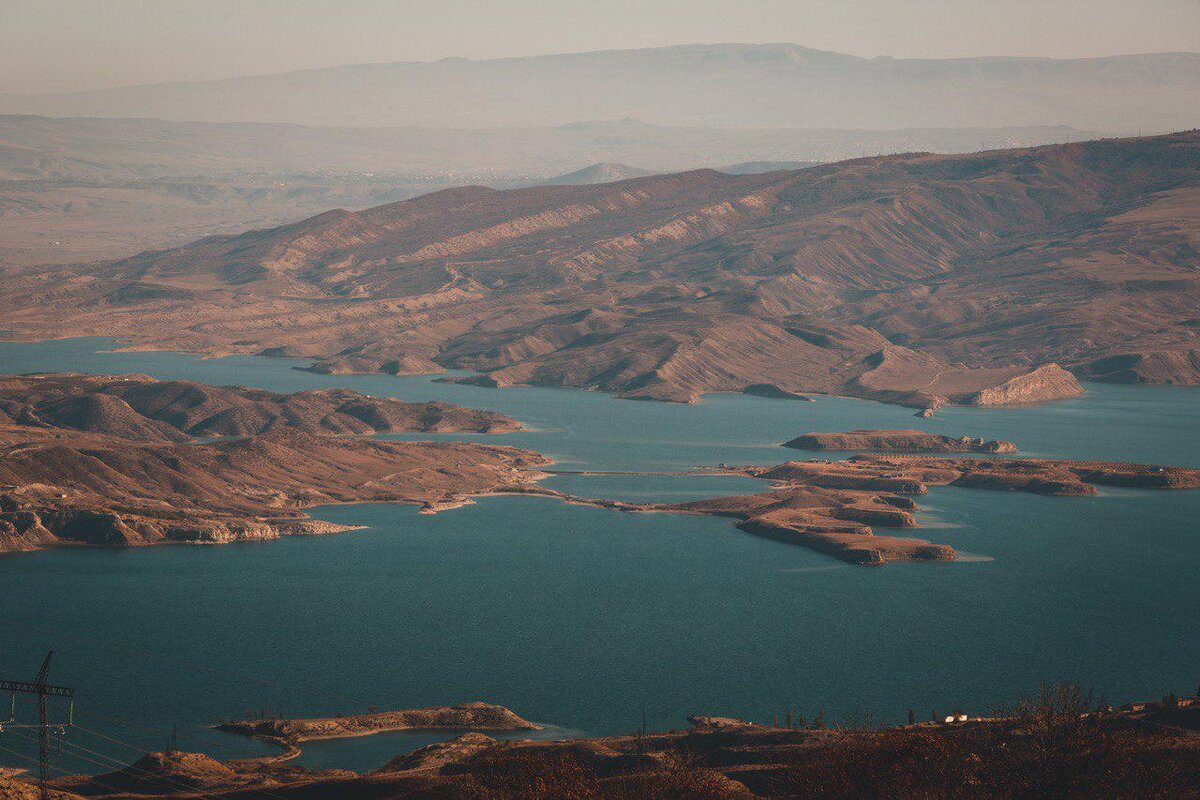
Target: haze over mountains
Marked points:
77	189
713	85
918	279
103	149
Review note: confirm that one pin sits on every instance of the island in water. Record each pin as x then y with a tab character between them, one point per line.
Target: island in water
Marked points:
902	441
832	506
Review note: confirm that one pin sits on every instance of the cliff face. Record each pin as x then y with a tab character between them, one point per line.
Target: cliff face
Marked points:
1048	382
915	279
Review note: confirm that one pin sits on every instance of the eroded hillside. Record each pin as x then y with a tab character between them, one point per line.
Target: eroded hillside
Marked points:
916	279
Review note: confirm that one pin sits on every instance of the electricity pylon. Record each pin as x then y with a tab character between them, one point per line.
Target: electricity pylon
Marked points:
44	691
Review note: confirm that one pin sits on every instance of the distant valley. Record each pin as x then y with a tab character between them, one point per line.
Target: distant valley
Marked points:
81	189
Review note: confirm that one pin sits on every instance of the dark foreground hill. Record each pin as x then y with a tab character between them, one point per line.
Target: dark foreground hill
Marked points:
917	279
1057	744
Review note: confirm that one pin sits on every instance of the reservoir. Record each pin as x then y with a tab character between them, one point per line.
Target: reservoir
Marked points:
591	621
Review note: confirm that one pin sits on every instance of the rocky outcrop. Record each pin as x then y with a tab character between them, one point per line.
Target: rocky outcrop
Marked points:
913	474
440	754
900	441
1048	382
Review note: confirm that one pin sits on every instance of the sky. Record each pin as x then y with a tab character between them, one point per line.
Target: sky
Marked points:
70	45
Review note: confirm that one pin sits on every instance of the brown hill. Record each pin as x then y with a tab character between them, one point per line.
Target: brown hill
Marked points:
111	460
66	487
141	408
916	279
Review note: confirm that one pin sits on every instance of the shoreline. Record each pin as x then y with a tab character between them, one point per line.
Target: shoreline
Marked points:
130	345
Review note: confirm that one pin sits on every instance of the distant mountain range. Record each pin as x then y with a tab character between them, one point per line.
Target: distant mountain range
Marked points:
708	85
914	278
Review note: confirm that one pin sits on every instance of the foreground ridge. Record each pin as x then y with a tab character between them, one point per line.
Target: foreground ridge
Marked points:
1058	742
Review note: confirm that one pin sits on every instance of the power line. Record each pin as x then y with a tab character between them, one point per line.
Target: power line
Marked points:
44	691
110	763
33	760
135	768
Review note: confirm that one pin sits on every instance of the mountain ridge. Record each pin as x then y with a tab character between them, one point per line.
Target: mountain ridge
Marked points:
917	279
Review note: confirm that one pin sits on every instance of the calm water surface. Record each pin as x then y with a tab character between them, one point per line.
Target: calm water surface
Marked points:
586	619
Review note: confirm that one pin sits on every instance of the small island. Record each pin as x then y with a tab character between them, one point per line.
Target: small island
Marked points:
898	441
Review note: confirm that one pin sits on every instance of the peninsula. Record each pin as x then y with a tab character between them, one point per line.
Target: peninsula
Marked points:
113	461
465	716
834	506
116	461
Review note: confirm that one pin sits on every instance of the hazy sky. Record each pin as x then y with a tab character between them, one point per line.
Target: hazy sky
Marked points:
63	45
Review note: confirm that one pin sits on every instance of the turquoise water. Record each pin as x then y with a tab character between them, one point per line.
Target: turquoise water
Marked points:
586	619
